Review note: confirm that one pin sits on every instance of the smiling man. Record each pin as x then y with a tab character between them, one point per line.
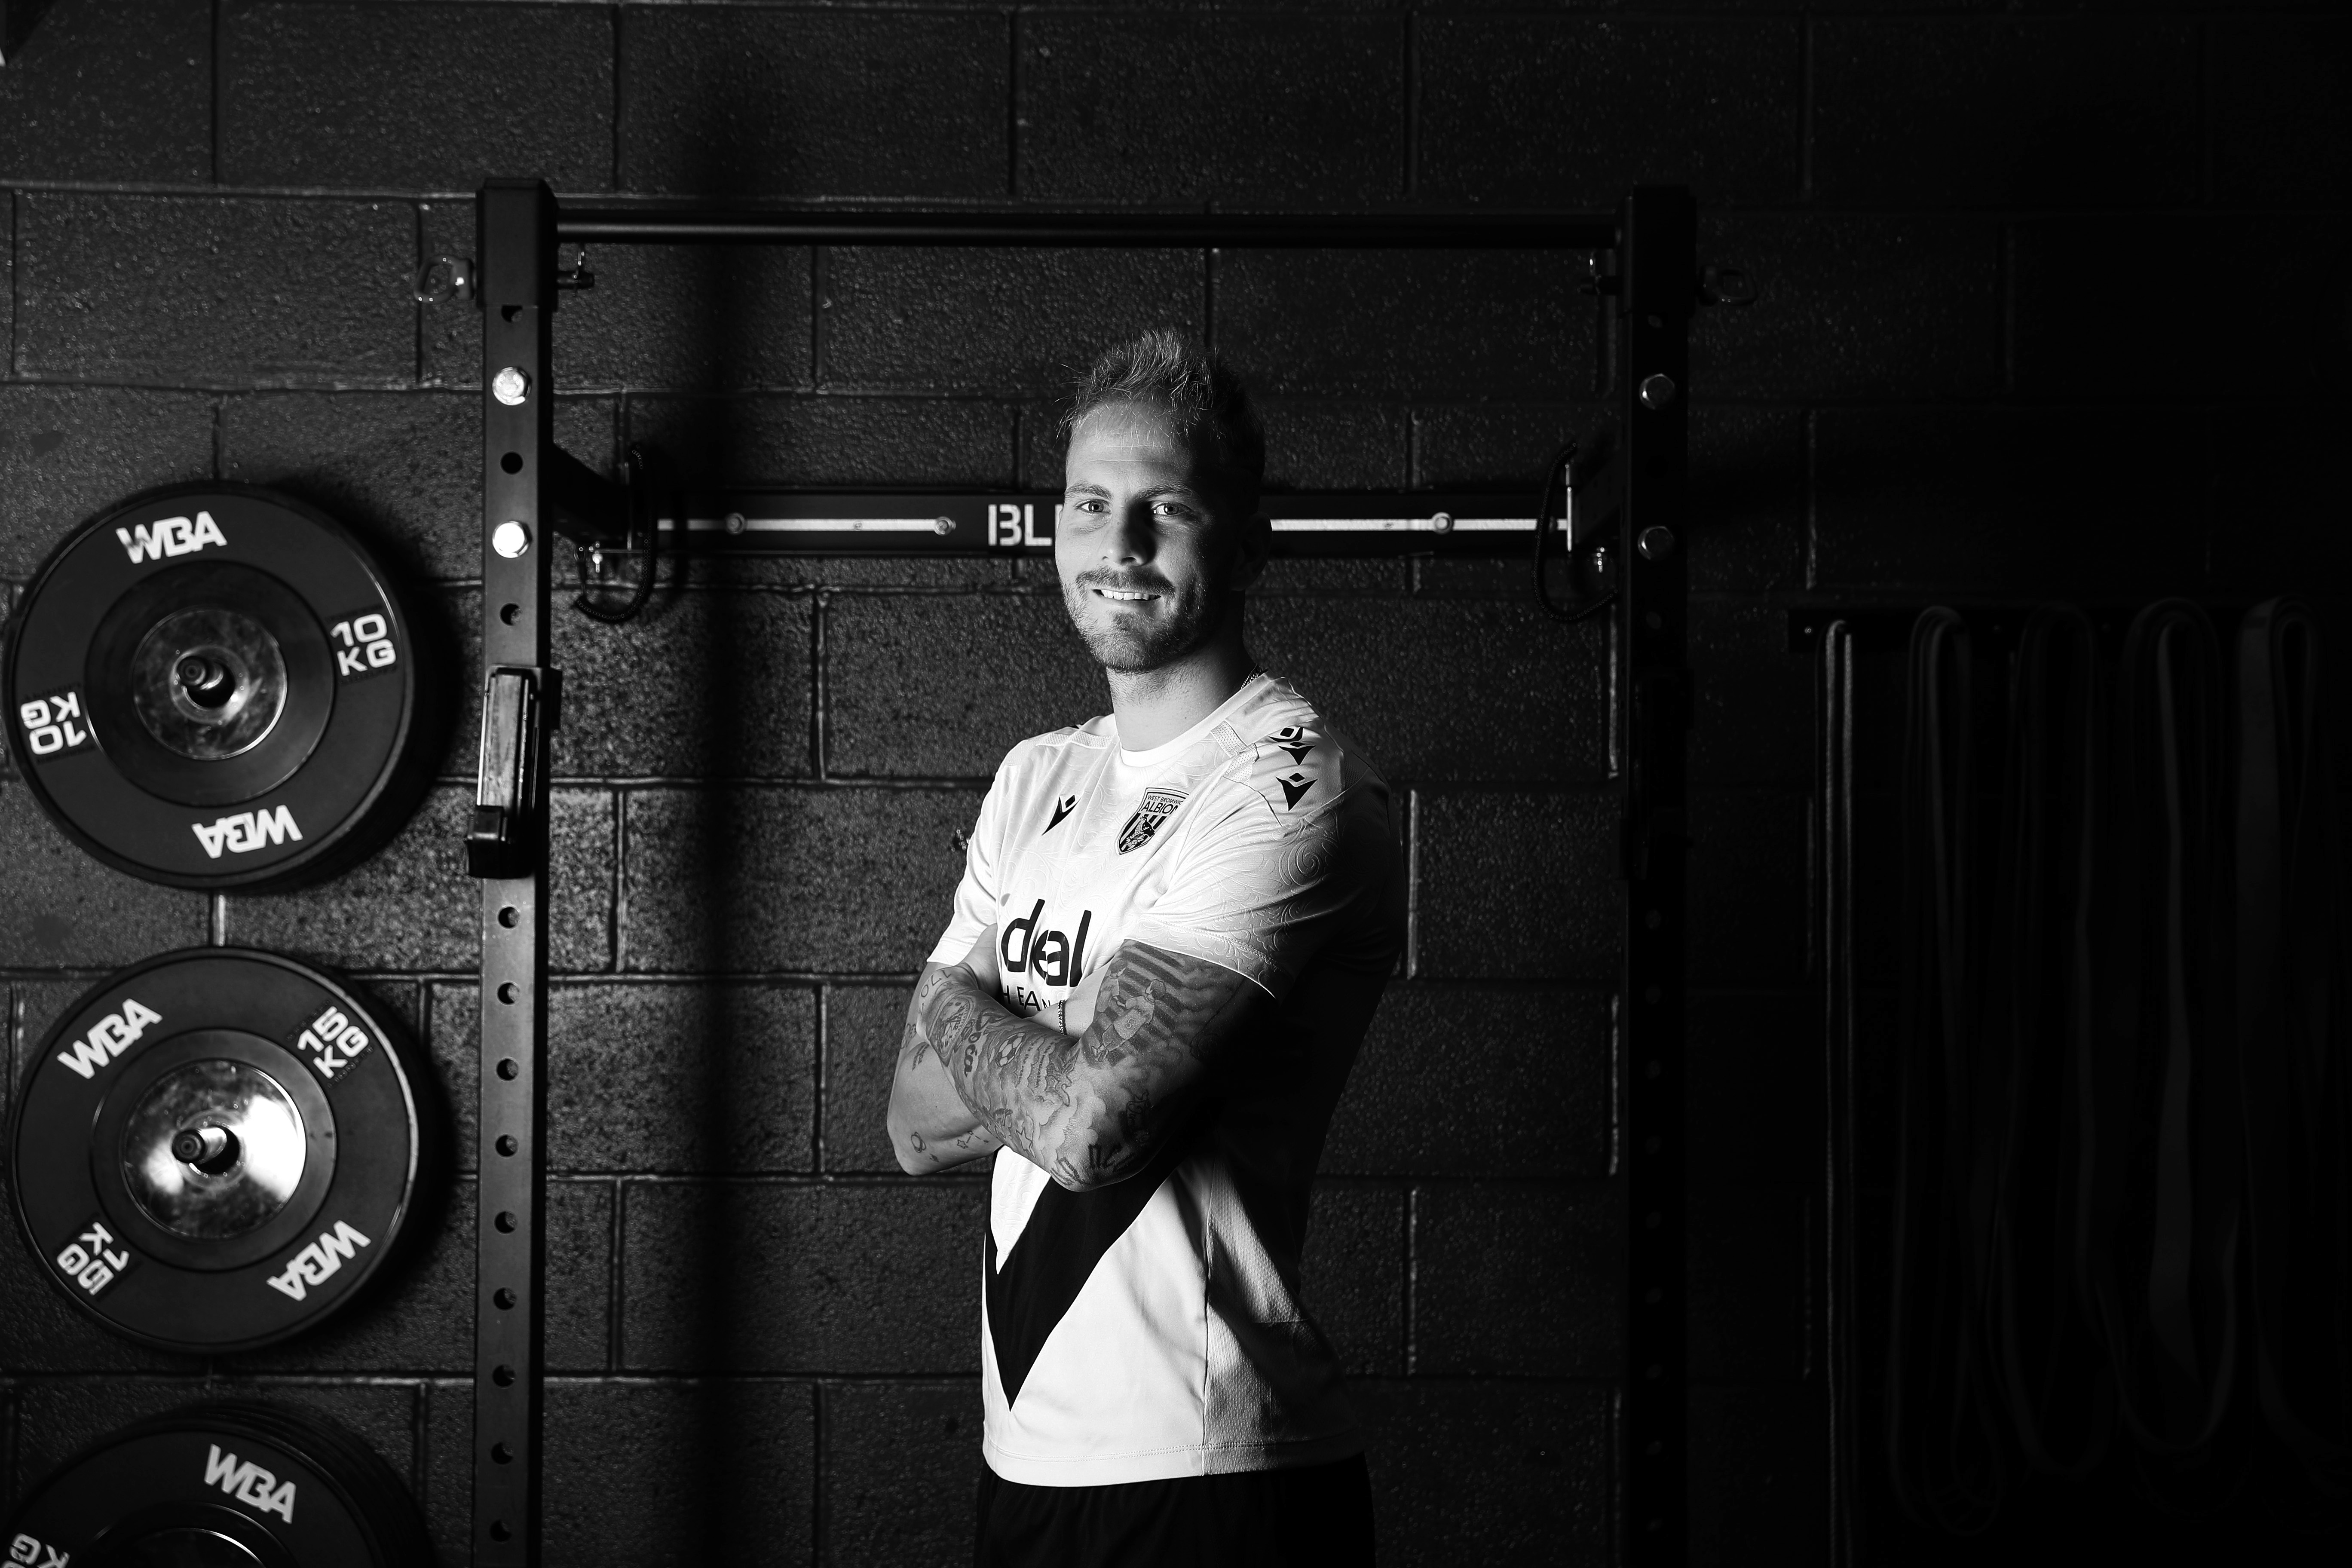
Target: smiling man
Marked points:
1173	925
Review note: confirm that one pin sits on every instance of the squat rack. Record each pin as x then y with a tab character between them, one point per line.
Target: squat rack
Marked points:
531	490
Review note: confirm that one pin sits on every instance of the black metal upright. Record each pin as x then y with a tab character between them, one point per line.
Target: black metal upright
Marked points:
507	848
1659	286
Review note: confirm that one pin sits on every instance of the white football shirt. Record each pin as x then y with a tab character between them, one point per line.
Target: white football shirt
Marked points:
1154	1328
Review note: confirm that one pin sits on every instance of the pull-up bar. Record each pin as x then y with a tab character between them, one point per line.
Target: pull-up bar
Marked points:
531	489
652	223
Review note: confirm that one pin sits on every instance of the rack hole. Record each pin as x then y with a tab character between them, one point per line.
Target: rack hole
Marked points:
508	1068
508	916
506	1221
504	1298
507	1144
503	1376
502	1453
507	992
511	462
514	312
498	1531
510	614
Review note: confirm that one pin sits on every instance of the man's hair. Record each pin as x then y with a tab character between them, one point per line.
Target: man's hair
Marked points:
1164	369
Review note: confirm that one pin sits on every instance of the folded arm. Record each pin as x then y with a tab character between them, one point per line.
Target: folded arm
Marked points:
1089	1110
930	1128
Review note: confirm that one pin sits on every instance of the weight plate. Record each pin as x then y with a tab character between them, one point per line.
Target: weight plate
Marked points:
214	685
215	1149
222	1486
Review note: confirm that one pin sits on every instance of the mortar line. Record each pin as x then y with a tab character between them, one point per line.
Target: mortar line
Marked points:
824	1073
820	686
617	919
1413	884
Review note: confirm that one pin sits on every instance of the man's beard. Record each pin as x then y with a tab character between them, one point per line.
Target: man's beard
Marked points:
1133	642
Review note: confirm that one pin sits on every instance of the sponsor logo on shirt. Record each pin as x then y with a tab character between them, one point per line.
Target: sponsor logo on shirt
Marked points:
1296	785
1062	808
1159	805
1027	946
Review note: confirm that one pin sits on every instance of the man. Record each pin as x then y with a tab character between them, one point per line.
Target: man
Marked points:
1172	927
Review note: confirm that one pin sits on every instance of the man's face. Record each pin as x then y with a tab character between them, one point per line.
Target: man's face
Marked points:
1147	546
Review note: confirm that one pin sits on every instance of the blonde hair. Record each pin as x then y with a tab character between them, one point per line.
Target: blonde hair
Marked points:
1166	370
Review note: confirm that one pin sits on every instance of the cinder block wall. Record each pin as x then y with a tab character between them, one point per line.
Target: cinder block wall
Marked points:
2049	303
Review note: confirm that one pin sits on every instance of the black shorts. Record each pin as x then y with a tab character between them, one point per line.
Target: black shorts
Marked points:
1321	1514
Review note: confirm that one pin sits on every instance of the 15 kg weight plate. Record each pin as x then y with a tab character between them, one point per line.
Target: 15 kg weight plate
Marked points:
215	1149
214	686
222	1486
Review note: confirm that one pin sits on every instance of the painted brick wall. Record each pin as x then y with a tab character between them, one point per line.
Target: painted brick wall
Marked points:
2051	303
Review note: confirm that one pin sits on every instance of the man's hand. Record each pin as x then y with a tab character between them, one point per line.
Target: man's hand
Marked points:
1088	1108
930	1128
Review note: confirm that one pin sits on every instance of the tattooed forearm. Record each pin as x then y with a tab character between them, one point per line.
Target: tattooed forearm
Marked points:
1088	1110
912	1047
930	1126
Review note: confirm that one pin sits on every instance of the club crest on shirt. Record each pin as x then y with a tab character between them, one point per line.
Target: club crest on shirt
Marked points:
1158	806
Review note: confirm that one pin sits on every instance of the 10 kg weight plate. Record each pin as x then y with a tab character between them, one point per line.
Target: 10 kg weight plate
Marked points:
214	686
222	1486
215	1149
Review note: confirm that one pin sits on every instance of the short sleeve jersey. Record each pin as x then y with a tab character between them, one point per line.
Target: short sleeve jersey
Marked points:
1157	1327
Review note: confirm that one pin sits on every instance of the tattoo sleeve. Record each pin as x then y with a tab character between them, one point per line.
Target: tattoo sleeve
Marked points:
1088	1110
